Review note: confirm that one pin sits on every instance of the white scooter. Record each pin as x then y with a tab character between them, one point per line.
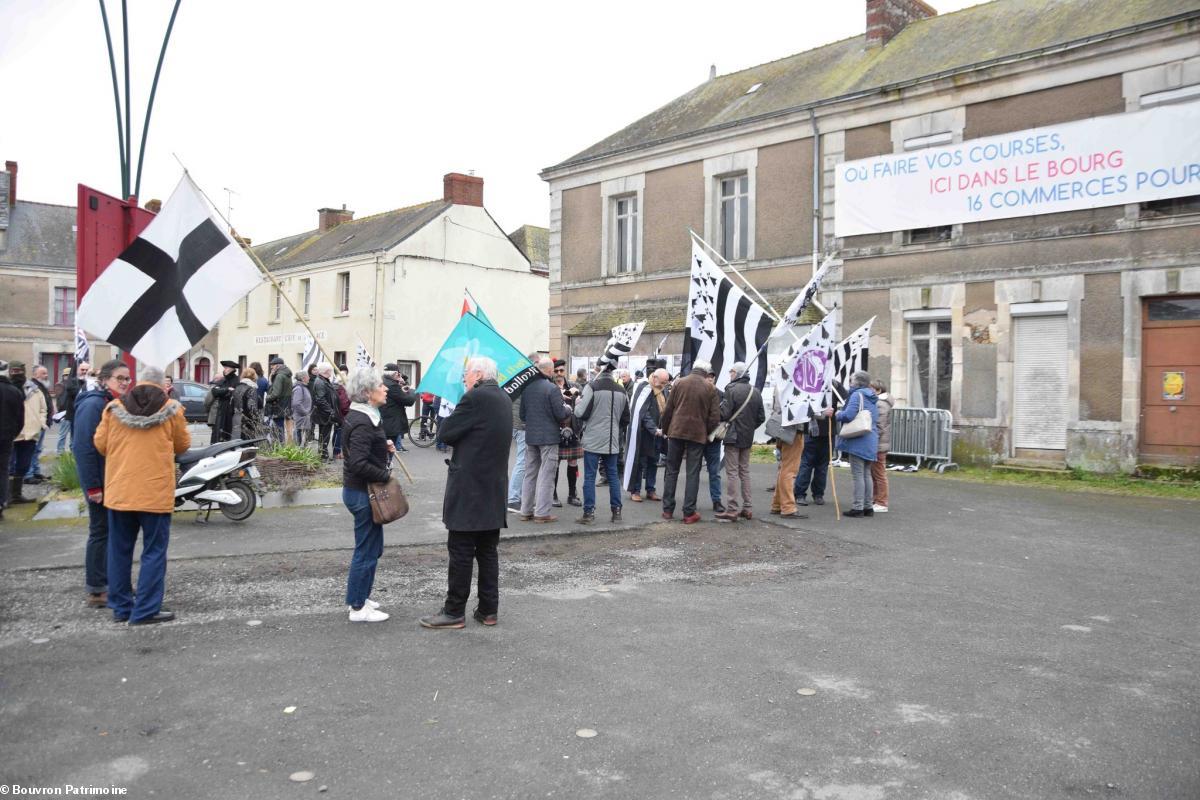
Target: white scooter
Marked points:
223	476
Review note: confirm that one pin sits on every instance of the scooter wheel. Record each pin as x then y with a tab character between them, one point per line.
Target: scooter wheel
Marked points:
244	508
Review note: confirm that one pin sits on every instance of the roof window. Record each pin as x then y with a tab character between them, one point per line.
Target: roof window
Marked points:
754	88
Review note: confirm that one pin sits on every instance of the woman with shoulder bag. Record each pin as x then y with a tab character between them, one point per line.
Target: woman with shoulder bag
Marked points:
366	452
859	440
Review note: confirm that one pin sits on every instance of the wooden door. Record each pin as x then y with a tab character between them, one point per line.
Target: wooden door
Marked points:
1171	380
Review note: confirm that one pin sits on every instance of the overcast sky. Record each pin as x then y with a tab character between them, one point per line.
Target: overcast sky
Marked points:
297	105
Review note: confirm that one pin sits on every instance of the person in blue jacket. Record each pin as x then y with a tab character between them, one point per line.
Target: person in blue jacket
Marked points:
89	464
861	450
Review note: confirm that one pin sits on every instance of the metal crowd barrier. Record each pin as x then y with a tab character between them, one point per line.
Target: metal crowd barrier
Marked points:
926	434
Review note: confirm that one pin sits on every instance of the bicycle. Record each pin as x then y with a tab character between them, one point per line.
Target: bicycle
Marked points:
422	431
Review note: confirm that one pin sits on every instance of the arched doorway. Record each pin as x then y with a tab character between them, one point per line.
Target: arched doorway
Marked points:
203	370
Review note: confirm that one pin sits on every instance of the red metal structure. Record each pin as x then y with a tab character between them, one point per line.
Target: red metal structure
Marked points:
105	226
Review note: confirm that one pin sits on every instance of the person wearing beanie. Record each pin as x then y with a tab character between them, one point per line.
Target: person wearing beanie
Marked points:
278	406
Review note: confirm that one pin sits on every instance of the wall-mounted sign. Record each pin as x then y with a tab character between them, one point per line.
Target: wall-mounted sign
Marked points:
1174	386
298	337
1105	161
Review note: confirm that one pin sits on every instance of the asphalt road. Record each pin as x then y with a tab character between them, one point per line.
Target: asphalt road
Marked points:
977	642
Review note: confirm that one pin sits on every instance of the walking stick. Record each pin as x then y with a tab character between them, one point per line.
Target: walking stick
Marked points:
837	507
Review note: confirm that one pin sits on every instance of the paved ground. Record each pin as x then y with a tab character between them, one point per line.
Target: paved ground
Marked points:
978	642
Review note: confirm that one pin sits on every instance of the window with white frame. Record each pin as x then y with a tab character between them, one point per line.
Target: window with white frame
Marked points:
305	295
276	303
343	292
626	256
734	216
931	363
64	305
244	311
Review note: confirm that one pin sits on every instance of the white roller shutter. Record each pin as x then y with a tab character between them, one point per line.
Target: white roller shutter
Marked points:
1040	394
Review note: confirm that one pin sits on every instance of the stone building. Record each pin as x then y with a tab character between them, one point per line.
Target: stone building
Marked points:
1071	335
37	275
393	280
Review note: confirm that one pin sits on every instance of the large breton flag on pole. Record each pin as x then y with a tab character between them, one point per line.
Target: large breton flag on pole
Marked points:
802	379
723	324
171	285
802	301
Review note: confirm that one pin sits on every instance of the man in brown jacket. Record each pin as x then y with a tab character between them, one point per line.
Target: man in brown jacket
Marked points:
139	436
693	411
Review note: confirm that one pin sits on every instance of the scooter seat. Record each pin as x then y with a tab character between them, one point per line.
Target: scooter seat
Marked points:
192	456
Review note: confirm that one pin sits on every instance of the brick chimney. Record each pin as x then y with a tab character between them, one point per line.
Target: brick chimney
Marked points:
463	190
330	218
886	18
11	168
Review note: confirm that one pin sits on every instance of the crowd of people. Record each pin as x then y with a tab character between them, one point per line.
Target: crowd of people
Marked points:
125	439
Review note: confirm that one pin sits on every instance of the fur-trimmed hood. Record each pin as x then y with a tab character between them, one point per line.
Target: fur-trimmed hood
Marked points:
145	421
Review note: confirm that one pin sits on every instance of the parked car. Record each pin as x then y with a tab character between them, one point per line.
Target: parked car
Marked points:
191	396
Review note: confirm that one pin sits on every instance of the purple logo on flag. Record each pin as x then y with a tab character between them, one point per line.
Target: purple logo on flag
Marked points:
809	375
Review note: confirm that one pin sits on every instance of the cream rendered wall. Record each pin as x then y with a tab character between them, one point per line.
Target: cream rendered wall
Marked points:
238	339
423	293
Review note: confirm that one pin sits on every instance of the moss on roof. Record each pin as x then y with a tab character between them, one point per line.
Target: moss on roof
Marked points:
941	44
534	243
668	316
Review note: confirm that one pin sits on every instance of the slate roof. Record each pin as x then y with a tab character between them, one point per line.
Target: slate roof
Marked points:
944	44
40	235
366	235
669	316
534	243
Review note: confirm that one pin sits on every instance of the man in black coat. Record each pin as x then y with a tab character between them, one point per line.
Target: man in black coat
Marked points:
12	420
473	508
394	412
223	396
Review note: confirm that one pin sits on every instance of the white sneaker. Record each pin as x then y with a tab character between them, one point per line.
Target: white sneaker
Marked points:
879	509
367	614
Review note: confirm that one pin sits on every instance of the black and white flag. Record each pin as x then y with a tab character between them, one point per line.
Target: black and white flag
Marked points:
852	353
803	375
641	391
623	338
312	353
723	324
83	351
796	309
171	285
362	357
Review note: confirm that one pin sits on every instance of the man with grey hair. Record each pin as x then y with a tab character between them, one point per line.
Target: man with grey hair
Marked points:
691	414
40	381
543	412
742	408
479	430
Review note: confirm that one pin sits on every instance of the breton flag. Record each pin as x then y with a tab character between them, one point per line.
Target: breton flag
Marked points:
641	390
171	285
723	324
796	309
623	338
802	377
362	357
471	306
312	353
852	353
83	351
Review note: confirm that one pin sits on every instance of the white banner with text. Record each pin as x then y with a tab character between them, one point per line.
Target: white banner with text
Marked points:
1105	161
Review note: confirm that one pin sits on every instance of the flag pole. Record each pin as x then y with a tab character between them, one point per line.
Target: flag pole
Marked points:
263	267
837	507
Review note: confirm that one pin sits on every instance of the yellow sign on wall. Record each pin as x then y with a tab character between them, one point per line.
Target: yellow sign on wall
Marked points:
1173	385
